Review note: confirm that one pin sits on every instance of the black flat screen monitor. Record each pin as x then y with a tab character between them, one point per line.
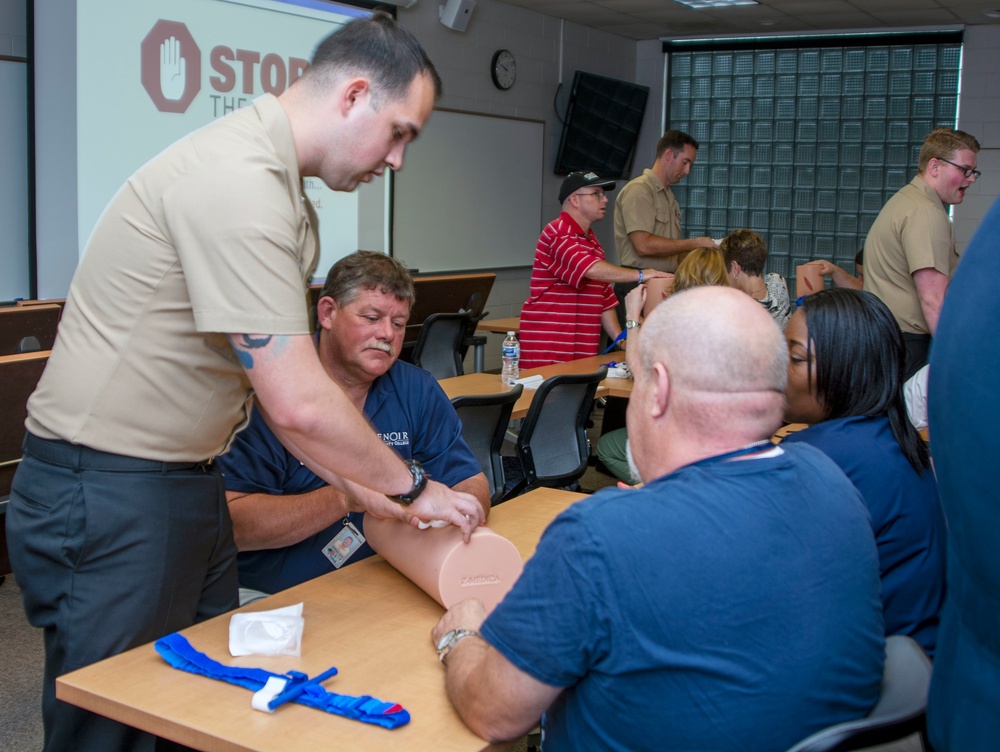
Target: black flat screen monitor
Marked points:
602	125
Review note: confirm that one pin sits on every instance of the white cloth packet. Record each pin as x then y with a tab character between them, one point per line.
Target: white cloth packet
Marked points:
275	632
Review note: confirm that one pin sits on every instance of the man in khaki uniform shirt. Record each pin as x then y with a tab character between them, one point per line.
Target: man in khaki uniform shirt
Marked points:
647	217
910	251
189	302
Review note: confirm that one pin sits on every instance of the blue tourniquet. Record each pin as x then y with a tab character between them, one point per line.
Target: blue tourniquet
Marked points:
178	652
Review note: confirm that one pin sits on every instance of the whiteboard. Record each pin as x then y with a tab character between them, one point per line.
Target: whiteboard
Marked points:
469	195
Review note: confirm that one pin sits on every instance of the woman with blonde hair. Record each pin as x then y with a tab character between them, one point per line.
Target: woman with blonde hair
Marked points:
702	266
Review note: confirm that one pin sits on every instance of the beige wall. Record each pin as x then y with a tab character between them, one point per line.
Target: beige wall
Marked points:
979	114
548	52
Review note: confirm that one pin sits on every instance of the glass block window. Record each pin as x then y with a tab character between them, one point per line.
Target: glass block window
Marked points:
806	140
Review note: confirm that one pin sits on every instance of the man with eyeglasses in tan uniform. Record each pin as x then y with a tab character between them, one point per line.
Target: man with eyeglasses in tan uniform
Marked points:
910	251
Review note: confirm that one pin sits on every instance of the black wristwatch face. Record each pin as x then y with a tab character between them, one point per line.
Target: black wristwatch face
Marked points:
419	483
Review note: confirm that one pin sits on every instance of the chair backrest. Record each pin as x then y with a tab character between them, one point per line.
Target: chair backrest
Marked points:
19	375
474	307
552	444
484	425
899	712
438	348
18	323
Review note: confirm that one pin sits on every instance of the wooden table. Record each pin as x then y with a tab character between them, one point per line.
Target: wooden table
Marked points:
489	383
368	620
500	326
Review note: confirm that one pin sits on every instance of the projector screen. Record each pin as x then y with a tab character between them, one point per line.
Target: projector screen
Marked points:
119	80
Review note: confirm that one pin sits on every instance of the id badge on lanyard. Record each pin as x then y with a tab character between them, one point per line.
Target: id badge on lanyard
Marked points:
344	544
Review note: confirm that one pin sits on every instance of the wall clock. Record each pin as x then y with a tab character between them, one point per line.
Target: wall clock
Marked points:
503	69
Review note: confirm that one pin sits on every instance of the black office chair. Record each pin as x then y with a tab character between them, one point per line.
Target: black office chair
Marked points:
484	425
899	712
439	344
472	339
552	445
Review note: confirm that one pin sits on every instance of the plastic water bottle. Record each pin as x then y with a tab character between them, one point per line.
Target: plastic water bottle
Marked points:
511	357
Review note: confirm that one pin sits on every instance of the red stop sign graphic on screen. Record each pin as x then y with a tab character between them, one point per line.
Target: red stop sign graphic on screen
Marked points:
170	66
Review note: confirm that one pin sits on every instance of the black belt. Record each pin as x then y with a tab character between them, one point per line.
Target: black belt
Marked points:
79	457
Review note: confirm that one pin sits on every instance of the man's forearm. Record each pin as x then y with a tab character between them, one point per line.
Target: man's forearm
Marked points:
464	664
609	320
931	287
311	414
602	271
471	671
262	521
479	487
647	244
313	417
842	279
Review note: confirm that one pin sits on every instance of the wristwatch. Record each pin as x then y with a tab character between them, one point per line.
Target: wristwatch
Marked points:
451	639
629	324
419	484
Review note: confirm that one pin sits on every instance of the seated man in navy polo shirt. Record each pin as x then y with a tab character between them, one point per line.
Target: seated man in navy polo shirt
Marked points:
731	603
290	526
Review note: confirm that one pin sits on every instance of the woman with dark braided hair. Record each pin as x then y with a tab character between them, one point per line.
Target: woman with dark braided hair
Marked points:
845	378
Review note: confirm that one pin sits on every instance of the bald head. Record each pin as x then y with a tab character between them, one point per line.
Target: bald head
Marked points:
716	339
712	369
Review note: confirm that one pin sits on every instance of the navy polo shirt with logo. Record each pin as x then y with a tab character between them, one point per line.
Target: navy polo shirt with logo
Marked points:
409	412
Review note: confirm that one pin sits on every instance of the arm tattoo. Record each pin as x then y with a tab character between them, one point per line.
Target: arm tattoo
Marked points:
244	343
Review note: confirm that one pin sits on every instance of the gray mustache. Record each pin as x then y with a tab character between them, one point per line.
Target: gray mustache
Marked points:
383	346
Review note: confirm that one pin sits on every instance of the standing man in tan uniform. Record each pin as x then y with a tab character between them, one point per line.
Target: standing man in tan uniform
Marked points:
910	251
189	303
647	217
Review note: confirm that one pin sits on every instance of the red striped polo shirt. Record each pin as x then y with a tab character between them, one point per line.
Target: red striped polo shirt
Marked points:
561	319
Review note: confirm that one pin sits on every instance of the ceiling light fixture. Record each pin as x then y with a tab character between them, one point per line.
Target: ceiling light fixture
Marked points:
702	4
992	13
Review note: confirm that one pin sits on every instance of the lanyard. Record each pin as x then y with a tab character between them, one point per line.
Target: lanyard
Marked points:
180	654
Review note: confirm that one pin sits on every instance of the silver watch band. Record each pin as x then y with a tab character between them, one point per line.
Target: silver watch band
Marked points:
451	639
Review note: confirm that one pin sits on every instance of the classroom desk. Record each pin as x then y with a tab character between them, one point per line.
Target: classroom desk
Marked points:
489	383
368	620
500	326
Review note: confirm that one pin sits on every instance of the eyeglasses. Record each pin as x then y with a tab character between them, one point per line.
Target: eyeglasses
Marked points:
967	171
599	195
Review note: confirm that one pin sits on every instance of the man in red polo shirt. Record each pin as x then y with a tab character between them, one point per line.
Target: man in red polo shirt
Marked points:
571	296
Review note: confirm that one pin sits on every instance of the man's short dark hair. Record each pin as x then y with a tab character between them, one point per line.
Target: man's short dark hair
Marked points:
377	48
675	141
368	270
